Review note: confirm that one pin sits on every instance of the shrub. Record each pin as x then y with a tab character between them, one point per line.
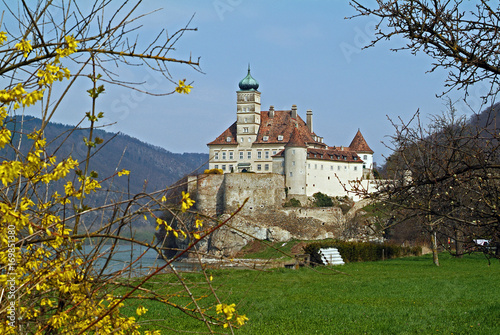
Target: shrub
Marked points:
292	203
361	251
213	171
322	200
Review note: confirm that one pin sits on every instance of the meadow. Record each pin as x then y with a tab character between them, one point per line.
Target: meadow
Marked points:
401	296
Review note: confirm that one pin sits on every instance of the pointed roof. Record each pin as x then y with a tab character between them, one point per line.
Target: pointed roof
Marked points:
296	139
359	144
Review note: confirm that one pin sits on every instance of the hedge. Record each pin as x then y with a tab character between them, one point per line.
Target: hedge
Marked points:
361	251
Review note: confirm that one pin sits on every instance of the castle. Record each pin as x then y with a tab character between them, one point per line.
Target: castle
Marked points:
280	142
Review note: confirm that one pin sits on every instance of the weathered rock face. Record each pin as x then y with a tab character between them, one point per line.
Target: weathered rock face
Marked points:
262	217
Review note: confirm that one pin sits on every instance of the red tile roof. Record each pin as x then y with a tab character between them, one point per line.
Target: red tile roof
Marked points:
282	124
334	154
359	144
222	138
296	139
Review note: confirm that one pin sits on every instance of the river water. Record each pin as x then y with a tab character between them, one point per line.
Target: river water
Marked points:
124	254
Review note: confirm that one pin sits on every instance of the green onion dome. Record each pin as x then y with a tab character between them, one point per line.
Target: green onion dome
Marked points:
248	83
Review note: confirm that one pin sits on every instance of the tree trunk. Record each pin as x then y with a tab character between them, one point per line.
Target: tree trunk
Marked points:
459	243
434	247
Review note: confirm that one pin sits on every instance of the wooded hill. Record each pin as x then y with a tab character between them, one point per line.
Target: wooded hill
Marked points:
151	168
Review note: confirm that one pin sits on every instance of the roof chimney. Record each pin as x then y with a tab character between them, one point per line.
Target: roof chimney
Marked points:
271	111
310	120
294	111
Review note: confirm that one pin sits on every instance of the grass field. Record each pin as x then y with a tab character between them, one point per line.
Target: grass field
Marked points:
402	296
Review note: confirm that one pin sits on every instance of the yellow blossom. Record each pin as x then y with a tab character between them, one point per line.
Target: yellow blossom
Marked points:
240	319
183	88
24	46
199	223
3	37
141	310
186	202
123	173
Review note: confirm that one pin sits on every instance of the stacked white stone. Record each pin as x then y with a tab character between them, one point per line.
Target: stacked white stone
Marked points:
331	256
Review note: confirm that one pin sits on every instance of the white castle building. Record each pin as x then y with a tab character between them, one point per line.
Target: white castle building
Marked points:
279	141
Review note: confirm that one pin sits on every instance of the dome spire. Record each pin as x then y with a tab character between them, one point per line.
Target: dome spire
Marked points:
248	83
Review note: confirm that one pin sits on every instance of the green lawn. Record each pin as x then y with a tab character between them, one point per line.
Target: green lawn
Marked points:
402	296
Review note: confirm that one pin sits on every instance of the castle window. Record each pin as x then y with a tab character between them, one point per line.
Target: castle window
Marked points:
355	168
249	155
265	138
241	139
321	166
241	154
365	157
223	167
274	152
291	174
364	166
231	167
308	166
331	156
293	151
344	157
259	154
223	155
245	120
315	166
249	140
216	166
280	137
266	167
231	155
216	156
266	154
259	167
331	167
228	139
338	168
245	129
328	177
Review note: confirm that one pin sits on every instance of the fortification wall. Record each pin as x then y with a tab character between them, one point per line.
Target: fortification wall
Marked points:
208	192
218	194
265	191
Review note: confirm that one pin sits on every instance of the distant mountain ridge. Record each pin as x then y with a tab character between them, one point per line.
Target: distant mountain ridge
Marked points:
152	168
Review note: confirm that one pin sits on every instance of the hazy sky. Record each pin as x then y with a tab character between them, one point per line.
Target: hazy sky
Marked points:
301	52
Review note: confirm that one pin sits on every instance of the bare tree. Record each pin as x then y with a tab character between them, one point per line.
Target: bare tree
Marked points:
444	177
459	36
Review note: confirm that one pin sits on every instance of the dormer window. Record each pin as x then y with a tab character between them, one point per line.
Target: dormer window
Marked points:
280	137
228	139
265	138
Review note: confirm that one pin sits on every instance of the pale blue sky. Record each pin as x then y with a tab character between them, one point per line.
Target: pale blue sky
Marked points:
301	52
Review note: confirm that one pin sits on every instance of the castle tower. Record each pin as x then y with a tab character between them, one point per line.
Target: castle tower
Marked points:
247	111
295	166
360	146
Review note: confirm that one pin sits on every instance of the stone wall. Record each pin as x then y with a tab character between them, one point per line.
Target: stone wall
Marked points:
263	216
219	194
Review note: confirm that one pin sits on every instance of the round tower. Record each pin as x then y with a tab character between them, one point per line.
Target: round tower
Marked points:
295	166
